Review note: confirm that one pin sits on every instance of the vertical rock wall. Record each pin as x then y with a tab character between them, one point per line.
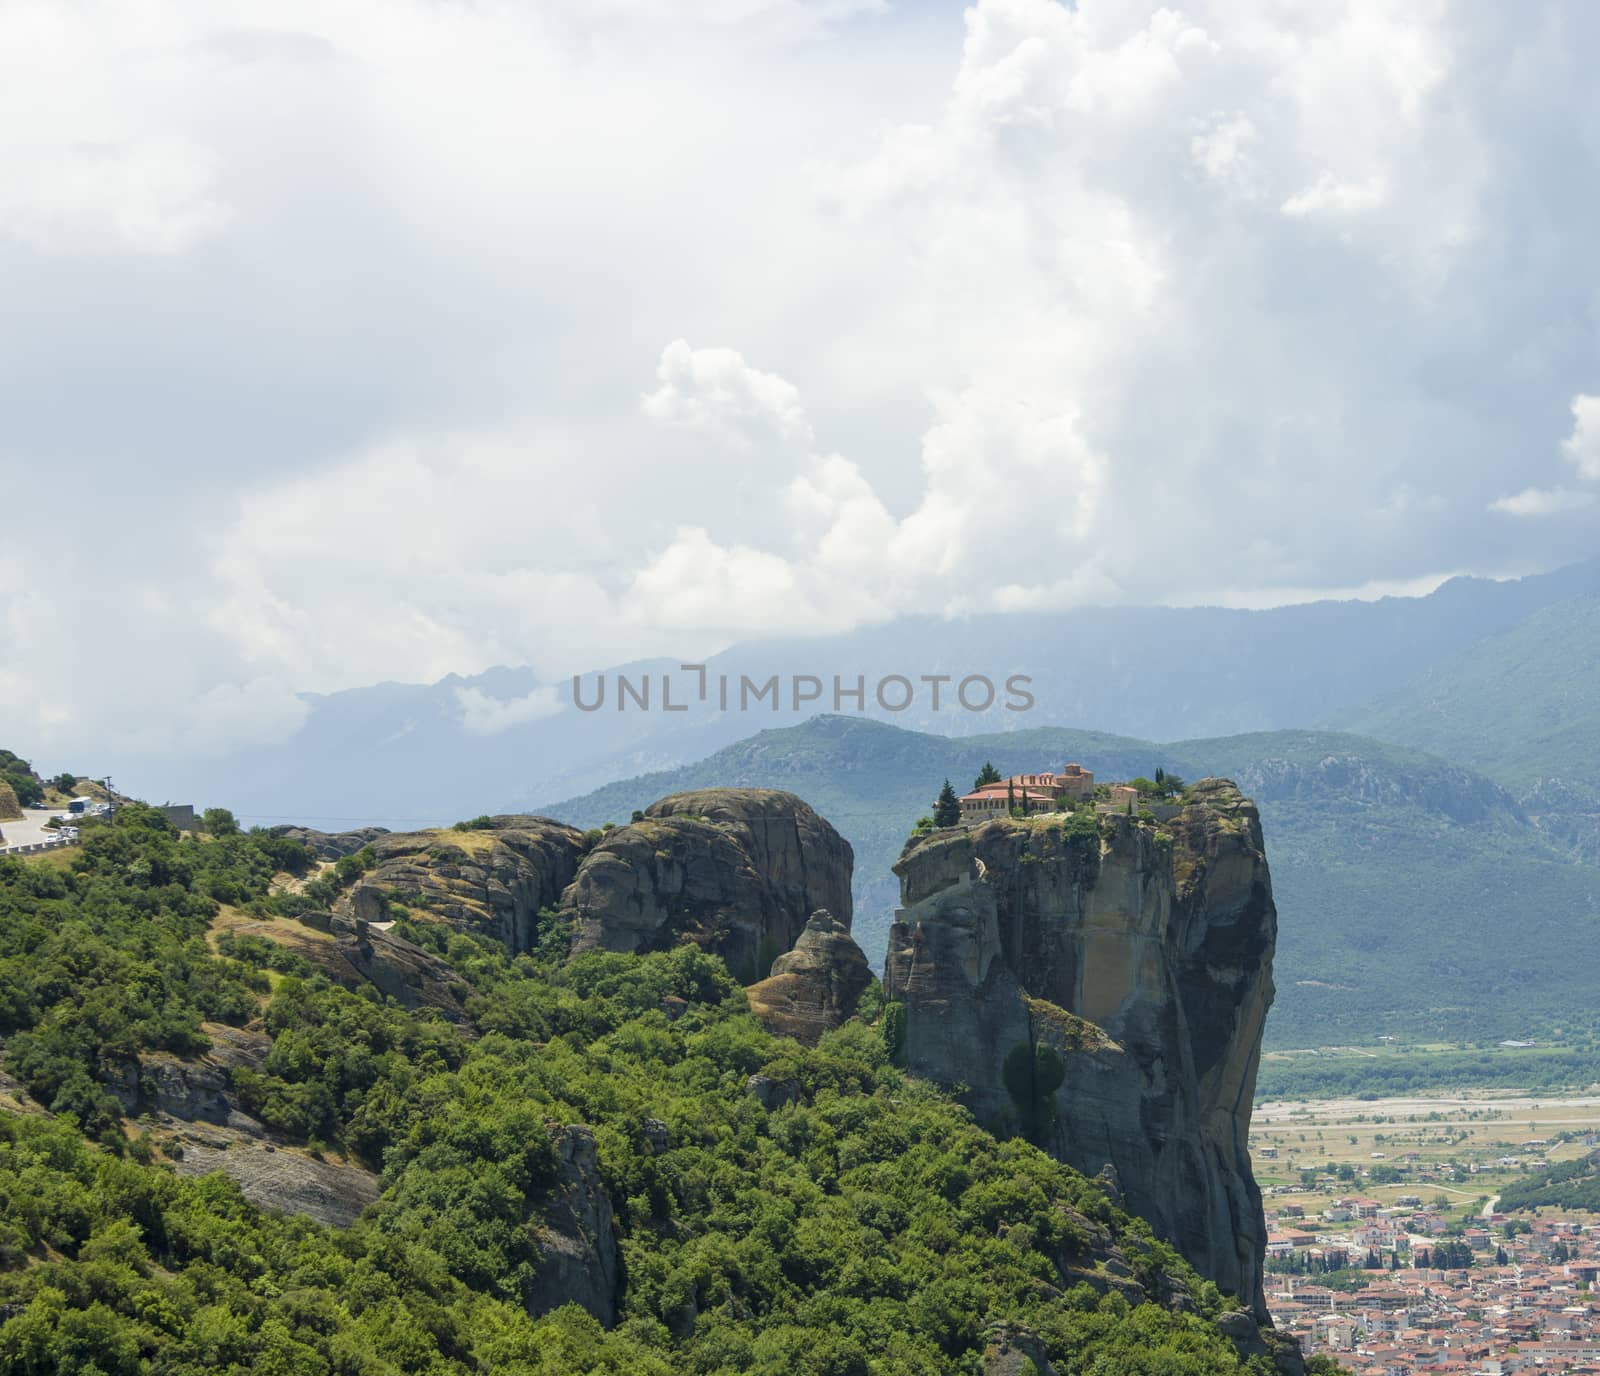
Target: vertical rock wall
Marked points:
1104	995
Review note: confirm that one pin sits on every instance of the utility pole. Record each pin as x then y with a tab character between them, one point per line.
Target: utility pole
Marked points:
110	801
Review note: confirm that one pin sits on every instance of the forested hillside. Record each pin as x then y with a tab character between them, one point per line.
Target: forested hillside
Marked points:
1523	706
1415	896
831	1216
1570	1185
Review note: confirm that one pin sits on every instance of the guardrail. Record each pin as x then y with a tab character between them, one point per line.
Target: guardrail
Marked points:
34	847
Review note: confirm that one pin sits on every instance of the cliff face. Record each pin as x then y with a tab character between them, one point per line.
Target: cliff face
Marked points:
578	1258
1104	995
737	870
493	881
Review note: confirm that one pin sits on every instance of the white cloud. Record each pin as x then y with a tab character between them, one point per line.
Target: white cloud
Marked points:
695	583
482	715
1222	150
715	392
336	342
1543	501
151	196
1332	196
1581	449
1582	446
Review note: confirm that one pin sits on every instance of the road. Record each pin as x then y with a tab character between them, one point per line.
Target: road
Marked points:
1489	1208
31	829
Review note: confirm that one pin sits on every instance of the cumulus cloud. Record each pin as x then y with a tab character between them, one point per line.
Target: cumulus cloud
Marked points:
1581	449
1543	501
1332	196
1582	446
715	392
406	339
482	715
152	196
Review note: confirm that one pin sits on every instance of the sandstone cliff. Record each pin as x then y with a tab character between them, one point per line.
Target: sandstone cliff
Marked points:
816	986
495	880
1101	989
737	870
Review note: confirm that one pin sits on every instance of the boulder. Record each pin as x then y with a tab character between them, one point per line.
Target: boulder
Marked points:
1102	992
1009	1349
736	870
814	987
772	1094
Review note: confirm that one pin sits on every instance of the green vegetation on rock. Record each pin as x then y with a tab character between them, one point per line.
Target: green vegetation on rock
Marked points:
853	1221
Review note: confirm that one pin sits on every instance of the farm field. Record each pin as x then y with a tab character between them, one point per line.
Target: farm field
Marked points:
1462	1148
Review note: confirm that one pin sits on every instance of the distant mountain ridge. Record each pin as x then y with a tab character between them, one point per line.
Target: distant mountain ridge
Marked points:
1522	705
411	754
1415	896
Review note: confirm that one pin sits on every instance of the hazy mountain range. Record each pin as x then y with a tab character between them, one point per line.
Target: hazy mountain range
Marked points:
407	753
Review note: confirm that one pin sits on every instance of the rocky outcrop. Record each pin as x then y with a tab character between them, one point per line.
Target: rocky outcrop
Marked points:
397	968
578	1258
816	986
494	880
280	1178
194	1091
737	870
10	809
1101	988
1009	1349
332	845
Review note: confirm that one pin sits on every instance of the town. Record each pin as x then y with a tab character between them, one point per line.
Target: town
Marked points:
1386	1248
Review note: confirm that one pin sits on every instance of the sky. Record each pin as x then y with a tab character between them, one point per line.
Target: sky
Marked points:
357	341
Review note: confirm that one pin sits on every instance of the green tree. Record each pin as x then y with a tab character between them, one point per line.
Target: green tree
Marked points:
947	808
218	821
987	775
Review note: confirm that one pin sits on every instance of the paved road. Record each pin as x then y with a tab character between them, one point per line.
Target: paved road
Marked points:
1491	1206
31	829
